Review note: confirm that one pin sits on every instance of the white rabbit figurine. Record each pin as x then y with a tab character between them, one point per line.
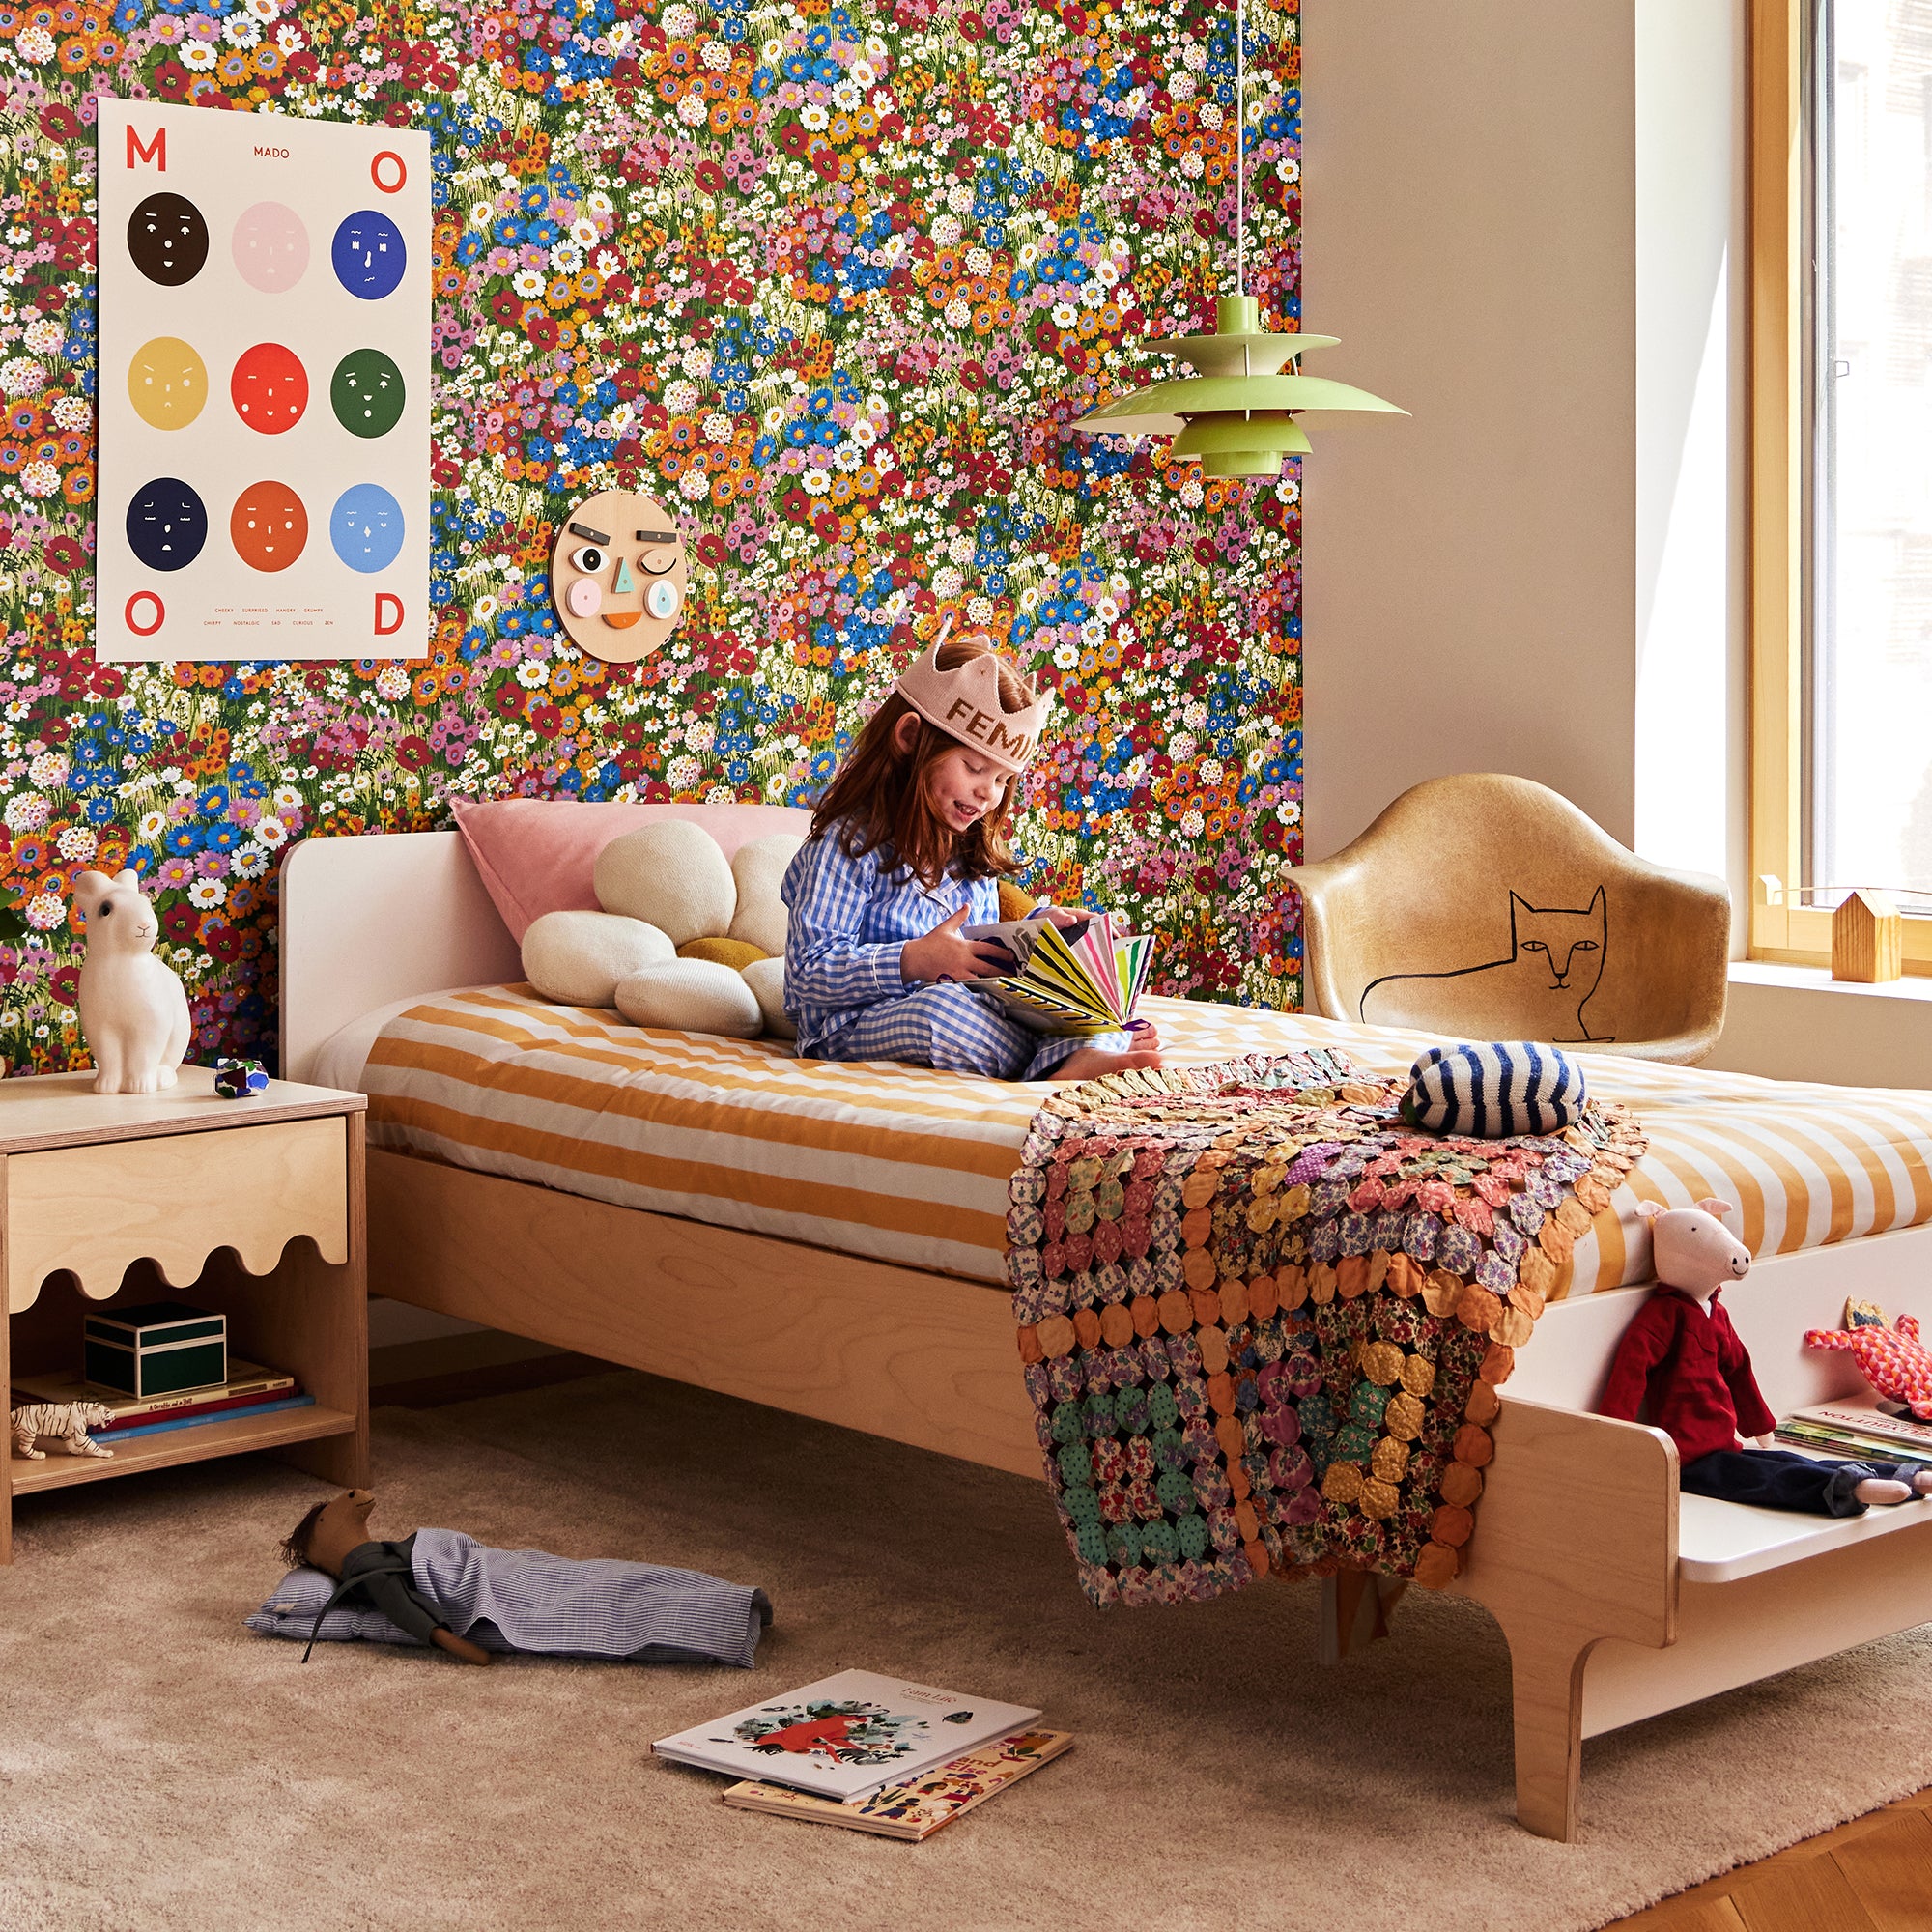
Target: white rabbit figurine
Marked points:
132	1008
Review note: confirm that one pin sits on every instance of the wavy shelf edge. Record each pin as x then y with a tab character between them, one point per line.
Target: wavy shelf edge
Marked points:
183	1264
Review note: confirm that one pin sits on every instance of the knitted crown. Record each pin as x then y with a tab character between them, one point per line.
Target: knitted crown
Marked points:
965	704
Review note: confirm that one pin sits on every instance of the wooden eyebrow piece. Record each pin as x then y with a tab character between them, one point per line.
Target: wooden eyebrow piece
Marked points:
655	536
588	534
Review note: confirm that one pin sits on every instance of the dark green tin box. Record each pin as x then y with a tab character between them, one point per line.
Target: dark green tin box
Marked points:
158	1348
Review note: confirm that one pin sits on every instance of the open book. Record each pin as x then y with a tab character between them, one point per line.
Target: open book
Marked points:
1084	980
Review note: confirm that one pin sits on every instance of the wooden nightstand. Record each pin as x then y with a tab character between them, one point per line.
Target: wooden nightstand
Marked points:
251	1207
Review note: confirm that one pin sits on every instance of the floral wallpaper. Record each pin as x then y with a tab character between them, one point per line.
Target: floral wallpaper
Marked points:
833	280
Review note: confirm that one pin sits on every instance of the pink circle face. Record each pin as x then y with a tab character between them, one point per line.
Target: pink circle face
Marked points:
583	597
270	247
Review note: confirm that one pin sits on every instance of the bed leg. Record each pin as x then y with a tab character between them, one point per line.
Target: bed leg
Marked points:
1546	1679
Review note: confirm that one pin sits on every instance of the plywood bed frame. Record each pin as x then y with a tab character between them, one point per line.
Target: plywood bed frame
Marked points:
1619	1598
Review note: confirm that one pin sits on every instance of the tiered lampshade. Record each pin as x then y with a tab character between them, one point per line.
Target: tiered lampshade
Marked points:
1236	413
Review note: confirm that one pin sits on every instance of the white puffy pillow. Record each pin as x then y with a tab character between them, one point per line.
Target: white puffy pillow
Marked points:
694	996
577	958
673	874
758	865
766	979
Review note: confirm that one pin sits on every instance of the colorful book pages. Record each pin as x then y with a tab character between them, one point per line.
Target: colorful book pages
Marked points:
1085	984
919	1806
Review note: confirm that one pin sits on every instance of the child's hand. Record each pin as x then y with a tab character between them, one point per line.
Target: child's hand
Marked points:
1063	917
942	954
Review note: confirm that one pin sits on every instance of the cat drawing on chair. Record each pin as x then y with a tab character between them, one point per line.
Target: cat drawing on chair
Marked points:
1539	990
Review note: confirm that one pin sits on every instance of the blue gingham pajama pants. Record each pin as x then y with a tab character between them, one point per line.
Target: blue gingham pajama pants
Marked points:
954	1029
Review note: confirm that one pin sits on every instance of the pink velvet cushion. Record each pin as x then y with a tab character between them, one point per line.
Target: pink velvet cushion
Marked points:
536	855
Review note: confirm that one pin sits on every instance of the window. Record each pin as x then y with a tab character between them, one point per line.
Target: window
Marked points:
1841	466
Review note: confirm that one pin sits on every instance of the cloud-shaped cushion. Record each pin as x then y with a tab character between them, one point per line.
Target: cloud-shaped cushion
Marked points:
673	875
758	868
694	996
577	957
766	979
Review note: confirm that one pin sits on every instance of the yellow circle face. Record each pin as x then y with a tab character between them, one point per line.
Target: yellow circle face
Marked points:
618	575
167	382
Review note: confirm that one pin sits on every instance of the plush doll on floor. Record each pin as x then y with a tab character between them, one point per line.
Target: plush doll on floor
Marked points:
1681	1356
441	1587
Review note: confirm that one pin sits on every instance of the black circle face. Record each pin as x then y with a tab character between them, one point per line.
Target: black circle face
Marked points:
167	524
167	240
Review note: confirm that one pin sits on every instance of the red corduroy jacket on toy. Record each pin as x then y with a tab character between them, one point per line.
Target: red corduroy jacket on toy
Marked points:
1694	1372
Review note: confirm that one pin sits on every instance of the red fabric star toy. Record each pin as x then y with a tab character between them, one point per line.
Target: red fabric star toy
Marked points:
1892	1360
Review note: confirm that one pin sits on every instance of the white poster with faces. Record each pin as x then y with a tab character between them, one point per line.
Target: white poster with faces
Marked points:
265	430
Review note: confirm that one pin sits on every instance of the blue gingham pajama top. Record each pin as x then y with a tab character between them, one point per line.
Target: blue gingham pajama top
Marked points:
850	919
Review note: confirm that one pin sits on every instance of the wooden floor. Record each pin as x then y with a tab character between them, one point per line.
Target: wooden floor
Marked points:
1872	1875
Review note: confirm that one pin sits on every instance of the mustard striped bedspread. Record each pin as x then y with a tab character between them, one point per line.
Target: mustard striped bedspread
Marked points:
906	1165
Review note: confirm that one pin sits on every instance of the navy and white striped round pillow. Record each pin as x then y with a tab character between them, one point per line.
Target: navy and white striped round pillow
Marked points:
1509	1087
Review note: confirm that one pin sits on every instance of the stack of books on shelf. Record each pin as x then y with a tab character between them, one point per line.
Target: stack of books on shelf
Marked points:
1857	1430
870	1753
249	1390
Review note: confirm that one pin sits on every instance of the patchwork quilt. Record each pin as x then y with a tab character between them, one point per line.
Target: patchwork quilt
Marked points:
1263	1319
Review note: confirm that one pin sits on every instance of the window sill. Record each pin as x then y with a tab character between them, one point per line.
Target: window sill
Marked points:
1799	1023
1817	979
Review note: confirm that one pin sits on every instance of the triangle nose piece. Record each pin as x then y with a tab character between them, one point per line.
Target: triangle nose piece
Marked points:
623	583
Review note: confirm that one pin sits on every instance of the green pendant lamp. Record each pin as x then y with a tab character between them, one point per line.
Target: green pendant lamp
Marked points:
1236	413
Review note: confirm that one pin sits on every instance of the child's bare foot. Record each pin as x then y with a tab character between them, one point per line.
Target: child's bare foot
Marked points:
1882	1489
1091	1062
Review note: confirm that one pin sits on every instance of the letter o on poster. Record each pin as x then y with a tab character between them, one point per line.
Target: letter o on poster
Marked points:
144	602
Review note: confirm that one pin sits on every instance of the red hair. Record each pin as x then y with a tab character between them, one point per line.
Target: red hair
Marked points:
881	797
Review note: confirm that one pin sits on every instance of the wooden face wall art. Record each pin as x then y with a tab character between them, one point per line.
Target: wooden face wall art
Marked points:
618	575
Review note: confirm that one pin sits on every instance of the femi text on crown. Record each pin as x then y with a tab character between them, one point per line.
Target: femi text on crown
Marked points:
965	704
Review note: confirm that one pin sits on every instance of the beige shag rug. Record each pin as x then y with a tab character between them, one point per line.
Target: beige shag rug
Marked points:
161	1767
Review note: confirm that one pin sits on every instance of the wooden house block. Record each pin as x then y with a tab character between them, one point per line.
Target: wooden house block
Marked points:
1867	939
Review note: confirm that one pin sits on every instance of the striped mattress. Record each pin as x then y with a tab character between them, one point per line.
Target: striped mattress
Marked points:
906	1165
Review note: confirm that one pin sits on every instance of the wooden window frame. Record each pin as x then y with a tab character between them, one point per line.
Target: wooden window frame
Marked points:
1780	928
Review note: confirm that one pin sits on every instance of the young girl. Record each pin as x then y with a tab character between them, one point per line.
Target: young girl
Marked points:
908	845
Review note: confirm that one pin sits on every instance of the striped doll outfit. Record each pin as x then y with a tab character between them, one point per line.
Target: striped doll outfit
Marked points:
1510	1087
850	919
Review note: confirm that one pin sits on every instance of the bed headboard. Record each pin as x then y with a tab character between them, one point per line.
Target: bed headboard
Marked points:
368	919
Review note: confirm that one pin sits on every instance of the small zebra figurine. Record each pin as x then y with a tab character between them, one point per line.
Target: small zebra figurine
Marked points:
68	1422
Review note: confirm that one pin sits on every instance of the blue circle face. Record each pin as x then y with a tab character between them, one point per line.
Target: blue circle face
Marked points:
368	254
366	528
167	524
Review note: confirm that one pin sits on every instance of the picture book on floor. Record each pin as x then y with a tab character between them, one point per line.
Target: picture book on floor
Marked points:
914	1809
847	1736
1087	978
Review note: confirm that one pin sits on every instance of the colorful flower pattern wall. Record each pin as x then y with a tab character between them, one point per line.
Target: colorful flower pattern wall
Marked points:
833	280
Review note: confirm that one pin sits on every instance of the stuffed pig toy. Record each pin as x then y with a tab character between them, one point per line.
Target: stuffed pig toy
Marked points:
132	1008
1682	1361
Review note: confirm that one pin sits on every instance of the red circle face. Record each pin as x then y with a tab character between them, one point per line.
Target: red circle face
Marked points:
270	388
269	526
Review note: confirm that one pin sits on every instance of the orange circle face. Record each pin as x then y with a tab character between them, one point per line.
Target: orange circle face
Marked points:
269	526
618	575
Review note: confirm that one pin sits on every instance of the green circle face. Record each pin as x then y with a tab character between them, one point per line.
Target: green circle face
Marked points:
366	393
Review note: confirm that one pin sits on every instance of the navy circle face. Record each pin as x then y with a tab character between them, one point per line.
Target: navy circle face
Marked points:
368	254
167	524
167	240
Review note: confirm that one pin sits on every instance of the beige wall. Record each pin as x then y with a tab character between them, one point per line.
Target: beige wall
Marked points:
1469	232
